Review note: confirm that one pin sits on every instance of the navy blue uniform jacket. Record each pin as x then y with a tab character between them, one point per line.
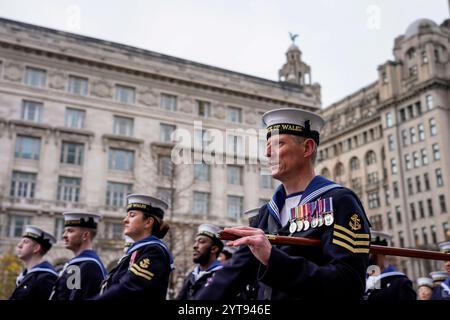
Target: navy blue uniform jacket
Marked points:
92	273
36	284
334	270
442	291
141	274
197	280
393	286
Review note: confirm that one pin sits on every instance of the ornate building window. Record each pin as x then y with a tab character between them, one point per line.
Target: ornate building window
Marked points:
27	147
35	77
23	184
201	203
72	153
354	164
78	85
31	111
125	94
371	157
74	118
123	126
168	102
116	193
69	189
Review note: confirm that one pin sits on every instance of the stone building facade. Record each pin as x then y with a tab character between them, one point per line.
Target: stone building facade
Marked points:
84	122
390	142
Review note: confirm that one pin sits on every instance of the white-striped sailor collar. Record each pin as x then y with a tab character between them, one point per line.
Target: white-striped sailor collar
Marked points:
446	285
87	255
44	266
318	186
216	265
144	242
389	271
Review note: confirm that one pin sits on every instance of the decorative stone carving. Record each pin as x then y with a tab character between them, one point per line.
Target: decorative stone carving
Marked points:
29	129
57	80
219	111
122	142
250	117
317	92
147	97
102	89
13	71
186	104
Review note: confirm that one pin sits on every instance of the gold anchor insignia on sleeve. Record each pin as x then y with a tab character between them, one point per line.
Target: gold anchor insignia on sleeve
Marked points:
355	222
144	263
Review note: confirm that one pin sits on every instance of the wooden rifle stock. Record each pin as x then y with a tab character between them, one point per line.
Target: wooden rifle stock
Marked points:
389	251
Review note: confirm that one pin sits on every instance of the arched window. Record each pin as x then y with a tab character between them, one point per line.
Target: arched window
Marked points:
325	173
371	157
339	170
411	53
354	164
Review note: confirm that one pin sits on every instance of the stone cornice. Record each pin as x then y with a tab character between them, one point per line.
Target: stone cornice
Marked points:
349	128
414	91
138	65
120	138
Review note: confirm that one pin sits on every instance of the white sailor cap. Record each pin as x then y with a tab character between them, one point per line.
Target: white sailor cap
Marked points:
147	204
42	237
230	250
81	219
439	276
380	238
210	231
445	247
251	213
425	281
294	121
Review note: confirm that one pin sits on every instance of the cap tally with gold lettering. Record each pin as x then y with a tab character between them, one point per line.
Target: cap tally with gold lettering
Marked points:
212	232
293	121
444	247
45	239
147	204
425	281
439	276
81	219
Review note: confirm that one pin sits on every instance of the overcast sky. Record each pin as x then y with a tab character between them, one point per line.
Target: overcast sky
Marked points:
342	40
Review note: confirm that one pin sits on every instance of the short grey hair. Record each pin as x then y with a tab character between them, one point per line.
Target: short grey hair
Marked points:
300	140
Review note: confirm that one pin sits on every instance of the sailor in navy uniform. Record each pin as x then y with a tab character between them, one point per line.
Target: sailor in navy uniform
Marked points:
143	272
81	277
37	280
304	205
441	290
424	288
206	249
387	283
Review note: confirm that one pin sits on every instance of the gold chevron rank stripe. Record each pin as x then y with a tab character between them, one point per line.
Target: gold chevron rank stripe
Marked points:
351	233
353	242
141	272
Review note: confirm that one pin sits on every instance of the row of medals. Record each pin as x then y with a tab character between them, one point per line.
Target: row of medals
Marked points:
300	224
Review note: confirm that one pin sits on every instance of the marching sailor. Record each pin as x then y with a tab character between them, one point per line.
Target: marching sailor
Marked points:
387	283
81	276
441	291
143	272
304	205
37	280
206	250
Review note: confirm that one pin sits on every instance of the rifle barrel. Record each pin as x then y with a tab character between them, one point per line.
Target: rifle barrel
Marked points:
389	251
